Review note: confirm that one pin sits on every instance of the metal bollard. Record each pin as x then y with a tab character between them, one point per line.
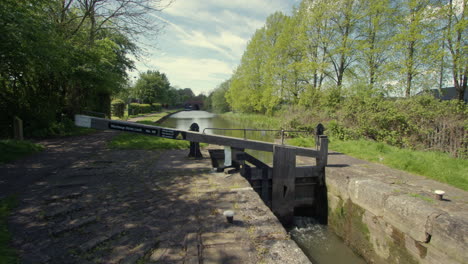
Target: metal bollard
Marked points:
195	146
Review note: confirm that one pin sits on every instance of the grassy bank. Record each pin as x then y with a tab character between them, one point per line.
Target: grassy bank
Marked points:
7	254
150	117
137	141
434	165
15	149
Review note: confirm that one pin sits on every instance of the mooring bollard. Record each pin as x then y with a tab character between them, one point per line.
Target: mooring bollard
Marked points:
195	146
318	132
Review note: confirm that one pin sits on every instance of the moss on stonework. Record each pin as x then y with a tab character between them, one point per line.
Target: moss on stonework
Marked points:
346	220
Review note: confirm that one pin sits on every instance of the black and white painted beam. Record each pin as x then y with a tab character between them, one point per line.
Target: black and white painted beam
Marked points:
101	123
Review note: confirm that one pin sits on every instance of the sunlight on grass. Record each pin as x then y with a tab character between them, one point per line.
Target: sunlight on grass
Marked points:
15	149
435	165
137	141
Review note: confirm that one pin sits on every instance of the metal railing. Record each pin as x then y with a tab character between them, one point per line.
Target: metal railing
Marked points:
259	130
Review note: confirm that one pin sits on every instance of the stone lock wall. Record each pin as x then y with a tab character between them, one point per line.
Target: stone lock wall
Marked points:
388	216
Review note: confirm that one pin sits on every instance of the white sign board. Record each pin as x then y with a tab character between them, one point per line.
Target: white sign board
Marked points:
227	156
82	121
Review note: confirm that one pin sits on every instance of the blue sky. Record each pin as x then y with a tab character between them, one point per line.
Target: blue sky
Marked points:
203	40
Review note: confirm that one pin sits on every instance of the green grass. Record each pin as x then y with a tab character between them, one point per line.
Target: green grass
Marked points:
7	254
15	149
155	116
434	165
137	141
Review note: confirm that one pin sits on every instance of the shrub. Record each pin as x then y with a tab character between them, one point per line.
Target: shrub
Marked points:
135	109
156	107
118	107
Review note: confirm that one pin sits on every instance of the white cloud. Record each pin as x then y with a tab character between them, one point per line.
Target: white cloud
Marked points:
198	74
190	8
204	40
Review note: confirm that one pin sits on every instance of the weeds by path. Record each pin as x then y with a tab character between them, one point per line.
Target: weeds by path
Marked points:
15	149
136	141
7	254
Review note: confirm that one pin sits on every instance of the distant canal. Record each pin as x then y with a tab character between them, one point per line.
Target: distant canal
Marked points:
318	243
184	119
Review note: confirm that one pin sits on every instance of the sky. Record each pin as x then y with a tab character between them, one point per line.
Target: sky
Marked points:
202	41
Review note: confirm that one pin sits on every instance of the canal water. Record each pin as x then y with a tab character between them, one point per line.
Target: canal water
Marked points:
318	243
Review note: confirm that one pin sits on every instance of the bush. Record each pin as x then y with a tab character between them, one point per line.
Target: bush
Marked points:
118	108
135	109
156	107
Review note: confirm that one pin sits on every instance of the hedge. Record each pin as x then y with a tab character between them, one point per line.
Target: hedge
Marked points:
118	107
135	108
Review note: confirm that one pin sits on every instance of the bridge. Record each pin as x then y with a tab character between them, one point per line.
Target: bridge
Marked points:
284	186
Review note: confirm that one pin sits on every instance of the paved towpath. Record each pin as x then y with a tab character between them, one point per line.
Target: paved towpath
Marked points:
83	203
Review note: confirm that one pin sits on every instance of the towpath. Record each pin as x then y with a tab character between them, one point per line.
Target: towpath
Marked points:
81	202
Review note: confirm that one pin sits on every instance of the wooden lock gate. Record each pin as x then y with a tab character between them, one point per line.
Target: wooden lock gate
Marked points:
284	186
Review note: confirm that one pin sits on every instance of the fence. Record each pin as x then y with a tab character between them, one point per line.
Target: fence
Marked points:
450	137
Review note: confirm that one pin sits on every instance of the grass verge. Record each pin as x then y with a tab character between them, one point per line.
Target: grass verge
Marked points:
15	149
434	165
155	116
7	254
137	141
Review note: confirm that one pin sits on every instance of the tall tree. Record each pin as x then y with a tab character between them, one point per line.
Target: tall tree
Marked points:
342	40
152	87
456	36
375	28
414	48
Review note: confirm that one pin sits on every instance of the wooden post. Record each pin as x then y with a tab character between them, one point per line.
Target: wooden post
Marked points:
283	198
18	128
322	159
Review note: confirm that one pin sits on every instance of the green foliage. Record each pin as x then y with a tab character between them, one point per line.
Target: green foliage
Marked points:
55	62
135	108
156	107
65	127
152	87
118	108
15	149
137	141
217	99
7	255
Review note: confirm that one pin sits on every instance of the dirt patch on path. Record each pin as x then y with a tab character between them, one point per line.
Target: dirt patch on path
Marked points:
81	202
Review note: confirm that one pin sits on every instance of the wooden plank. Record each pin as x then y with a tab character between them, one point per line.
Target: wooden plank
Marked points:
284	167
101	123
322	158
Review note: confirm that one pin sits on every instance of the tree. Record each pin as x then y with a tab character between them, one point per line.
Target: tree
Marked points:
342	40
218	98
456	37
152	87
414	49
374	29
